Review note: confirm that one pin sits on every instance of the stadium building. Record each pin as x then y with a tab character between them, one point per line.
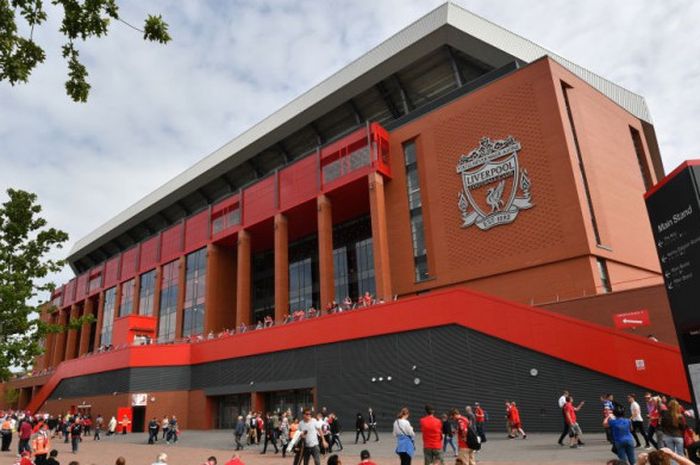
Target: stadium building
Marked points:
486	192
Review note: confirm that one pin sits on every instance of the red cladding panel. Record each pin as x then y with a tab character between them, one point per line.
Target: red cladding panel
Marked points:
259	201
69	295
171	243
129	262
224	204
298	183
149	254
81	286
111	272
197	231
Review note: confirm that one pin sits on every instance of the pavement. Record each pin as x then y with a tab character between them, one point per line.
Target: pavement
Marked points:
194	447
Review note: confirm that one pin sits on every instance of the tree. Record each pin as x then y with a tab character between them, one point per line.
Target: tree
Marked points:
19	55
25	241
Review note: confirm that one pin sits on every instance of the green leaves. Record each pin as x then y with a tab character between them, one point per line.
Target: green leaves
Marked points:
82	20
24	243
156	30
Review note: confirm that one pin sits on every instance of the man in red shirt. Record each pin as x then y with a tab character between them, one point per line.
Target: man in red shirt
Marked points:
431	428
480	420
466	455
570	417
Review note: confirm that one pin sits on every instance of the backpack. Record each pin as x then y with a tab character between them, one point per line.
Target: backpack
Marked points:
473	441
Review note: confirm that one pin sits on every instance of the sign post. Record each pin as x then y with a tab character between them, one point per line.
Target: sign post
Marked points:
674	211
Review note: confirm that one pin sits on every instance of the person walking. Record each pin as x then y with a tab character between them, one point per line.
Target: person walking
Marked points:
403	432
467	454
431	430
239	431
6	433
621	434
571	422
335	432
372	425
480	415
448	431
124	424
269	434
172	430
516	425
637	421
672	426
164	426
311	432
112	426
153	430
41	445
24	432
99	423
360	427
565	430
76	430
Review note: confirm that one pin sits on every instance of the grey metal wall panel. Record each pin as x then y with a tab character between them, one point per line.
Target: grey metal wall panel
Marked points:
456	366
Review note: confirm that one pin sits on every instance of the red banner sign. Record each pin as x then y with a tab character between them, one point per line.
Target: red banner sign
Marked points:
634	319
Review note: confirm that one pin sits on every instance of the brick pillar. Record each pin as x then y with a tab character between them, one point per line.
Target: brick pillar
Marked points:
325	251
220	299
380	239
100	321
60	340
84	346
281	267
72	338
243	279
180	315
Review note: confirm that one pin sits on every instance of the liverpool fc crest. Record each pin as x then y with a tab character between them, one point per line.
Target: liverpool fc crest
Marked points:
496	188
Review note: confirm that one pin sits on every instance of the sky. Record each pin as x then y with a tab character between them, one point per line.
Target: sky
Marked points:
155	110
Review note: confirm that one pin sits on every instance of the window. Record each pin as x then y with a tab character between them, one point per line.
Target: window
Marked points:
126	306
95	283
415	206
300	285
148	288
582	167
353	258
641	158
604	277
108	316
195	289
263	264
303	274
168	302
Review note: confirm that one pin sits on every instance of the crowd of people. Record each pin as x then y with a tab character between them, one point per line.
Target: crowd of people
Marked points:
663	426
667	429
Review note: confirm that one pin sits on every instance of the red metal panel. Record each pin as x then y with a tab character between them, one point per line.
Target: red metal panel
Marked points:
171	243
298	183
585	344
129	258
69	293
81	286
149	254
224	204
196	231
259	201
111	272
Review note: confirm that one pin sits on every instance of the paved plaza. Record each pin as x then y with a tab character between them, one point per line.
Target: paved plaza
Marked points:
195	446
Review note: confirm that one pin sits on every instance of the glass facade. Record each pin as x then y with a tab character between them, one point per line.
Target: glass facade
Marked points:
147	292
168	302
95	283
195	289
108	316
303	274
263	271
126	305
415	205
353	259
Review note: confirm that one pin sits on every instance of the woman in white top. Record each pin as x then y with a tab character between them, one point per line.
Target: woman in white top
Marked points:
403	432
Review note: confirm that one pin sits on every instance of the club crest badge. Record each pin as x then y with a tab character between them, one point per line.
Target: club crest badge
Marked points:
495	187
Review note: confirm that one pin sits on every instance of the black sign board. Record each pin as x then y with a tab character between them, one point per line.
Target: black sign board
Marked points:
674	210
